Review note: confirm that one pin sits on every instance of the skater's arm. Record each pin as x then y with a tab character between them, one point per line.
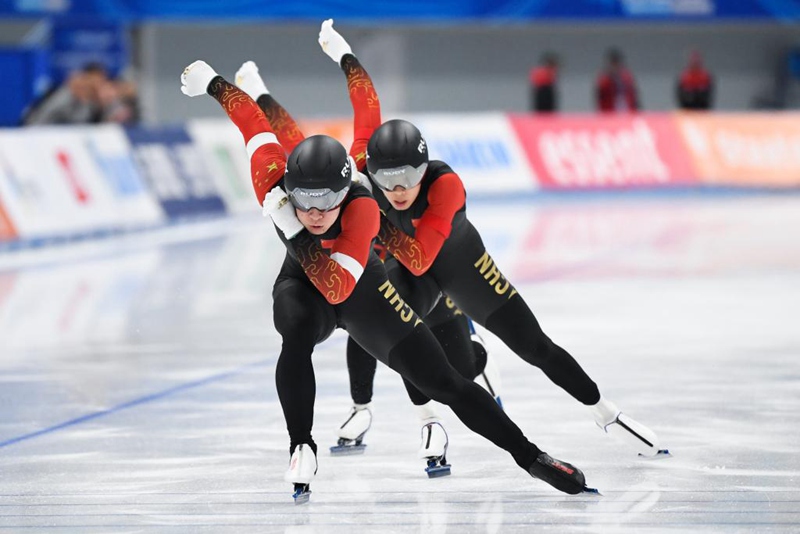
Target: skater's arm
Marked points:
287	130
366	108
267	157
363	97
336	275
249	80
446	197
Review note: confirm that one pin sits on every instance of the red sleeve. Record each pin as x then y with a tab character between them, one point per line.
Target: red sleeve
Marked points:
336	275
287	130
445	197
366	108
267	157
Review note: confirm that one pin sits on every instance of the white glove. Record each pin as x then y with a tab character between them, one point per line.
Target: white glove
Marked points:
248	80
196	77
332	43
277	206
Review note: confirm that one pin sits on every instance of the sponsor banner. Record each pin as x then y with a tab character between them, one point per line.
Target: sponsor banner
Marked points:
113	155
51	184
222	147
596	151
481	148
176	171
59	181
753	149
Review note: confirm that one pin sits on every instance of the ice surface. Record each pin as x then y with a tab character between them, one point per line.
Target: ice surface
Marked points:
137	381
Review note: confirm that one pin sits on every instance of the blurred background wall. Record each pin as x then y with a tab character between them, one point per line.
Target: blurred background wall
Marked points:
462	68
443	56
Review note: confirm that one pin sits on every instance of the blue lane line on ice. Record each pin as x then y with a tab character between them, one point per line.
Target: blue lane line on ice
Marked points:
133	403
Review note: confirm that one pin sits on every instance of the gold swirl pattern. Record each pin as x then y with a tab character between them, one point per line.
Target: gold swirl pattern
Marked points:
228	95
326	275
283	124
359	81
402	246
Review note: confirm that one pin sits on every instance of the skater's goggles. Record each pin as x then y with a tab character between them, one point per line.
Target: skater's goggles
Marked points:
405	177
320	199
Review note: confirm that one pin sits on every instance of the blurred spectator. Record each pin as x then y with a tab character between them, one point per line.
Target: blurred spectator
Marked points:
615	87
543	80
88	96
695	85
118	102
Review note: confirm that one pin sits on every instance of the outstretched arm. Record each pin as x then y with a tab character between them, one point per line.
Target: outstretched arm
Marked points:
249	80
363	97
267	156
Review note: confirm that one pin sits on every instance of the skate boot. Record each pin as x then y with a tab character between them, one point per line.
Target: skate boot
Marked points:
561	475
488	372
433	448
632	433
302	468
351	433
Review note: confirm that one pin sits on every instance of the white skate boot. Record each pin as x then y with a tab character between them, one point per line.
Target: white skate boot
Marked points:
351	433
433	447
489	377
632	433
302	468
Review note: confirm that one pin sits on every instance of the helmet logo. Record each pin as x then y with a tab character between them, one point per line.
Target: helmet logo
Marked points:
346	168
311	193
421	147
394	172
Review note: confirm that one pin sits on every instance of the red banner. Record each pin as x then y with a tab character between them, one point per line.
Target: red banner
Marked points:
590	151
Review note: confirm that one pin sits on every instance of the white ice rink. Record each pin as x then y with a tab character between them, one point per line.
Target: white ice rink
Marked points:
137	381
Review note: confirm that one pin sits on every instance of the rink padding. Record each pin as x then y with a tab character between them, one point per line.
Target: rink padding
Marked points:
63	183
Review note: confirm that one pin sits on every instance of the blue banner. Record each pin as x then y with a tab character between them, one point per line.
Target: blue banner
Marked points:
175	171
390	12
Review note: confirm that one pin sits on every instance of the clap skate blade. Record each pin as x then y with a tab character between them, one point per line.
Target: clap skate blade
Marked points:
437	468
302	492
348	447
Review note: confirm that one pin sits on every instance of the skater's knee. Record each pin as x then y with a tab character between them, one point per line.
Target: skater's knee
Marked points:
542	352
303	323
444	389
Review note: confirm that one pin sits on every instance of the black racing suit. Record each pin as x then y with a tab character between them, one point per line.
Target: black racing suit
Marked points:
465	272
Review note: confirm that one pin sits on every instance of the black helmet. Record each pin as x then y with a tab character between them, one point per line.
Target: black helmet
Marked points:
318	174
397	155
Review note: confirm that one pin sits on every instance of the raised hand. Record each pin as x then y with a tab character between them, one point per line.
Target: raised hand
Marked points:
196	77
249	81
332	42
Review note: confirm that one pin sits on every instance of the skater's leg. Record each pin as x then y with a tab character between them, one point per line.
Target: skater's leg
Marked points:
478	411
361	370
451	329
384	325
516	326
303	319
